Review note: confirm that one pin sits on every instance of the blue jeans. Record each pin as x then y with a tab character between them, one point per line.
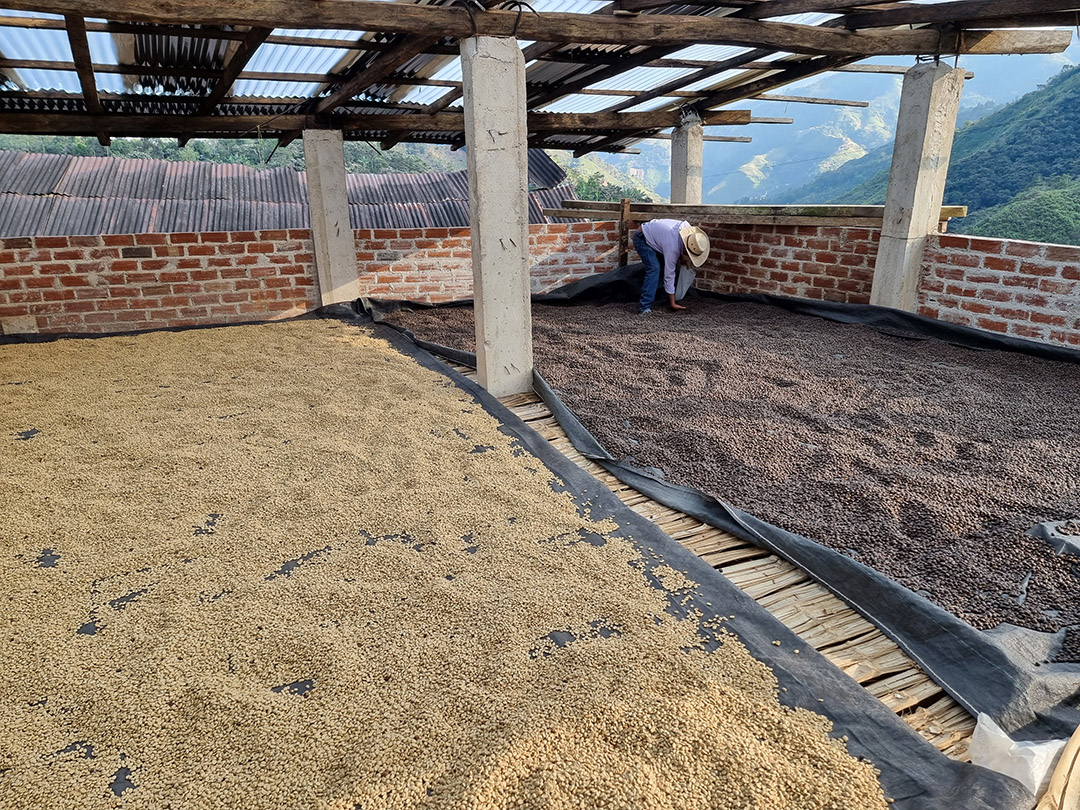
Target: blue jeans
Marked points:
651	259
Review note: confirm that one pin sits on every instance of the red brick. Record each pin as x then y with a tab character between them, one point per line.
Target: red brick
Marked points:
1037	269
1025	249
998	263
1062	253
151	239
1047	318
992	325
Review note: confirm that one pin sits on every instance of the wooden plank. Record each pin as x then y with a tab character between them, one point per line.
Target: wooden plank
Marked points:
835	102
947	211
625	226
957	11
666	136
655	29
759	119
723	219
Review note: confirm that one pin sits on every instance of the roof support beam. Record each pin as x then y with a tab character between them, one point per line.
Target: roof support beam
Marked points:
80	52
160	125
958	12
656	29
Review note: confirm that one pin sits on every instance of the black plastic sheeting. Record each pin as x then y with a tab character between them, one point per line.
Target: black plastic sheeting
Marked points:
915	774
1001	672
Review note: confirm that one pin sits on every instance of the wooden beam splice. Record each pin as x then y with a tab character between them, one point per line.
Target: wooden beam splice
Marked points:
237	62
80	52
957	11
599	29
781	8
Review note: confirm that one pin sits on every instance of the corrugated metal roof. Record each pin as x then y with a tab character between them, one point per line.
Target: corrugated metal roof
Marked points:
61	194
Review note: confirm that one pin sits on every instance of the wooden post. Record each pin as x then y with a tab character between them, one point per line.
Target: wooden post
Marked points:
624	231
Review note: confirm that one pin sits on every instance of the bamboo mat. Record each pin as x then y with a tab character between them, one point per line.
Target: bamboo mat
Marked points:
822	620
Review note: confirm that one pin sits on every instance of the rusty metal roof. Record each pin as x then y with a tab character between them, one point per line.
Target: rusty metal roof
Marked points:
64	195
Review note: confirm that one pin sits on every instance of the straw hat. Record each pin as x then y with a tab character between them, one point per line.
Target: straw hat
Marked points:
696	243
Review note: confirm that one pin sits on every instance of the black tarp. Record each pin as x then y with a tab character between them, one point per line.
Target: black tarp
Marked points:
913	772
1002	672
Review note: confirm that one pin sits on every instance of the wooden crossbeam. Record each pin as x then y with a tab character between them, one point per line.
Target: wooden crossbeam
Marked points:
878	211
957	11
80	52
834	102
79	123
655	29
666	136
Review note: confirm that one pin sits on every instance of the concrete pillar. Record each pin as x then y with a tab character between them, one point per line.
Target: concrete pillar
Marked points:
493	81
686	159
924	135
328	204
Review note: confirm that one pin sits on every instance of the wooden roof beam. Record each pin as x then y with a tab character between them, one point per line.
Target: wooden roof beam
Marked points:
655	29
959	12
166	125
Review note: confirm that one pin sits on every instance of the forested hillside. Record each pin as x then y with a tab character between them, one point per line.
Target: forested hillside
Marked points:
1017	170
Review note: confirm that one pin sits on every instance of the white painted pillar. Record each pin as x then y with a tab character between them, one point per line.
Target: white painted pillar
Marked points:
493	81
686	159
328	204
924	136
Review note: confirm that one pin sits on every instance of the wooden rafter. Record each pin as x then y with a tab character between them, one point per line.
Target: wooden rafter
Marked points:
237	62
958	12
80	52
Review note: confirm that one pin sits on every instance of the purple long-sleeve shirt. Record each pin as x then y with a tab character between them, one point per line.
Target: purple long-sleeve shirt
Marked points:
662	235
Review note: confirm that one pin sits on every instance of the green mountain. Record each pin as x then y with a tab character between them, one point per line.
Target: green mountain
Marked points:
1017	169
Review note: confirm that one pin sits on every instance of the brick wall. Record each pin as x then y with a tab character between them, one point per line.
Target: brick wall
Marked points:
1026	289
435	264
148	281
806	261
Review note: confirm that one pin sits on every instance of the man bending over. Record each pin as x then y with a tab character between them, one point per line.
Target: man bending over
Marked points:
674	240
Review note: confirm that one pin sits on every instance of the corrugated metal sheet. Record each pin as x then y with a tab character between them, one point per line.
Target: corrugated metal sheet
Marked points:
60	194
